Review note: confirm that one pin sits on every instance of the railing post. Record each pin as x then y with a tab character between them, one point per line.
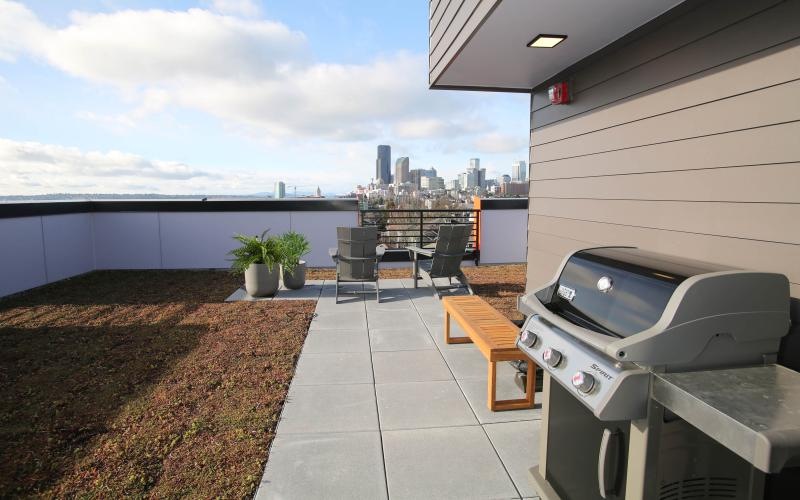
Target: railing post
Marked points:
420	229
477	237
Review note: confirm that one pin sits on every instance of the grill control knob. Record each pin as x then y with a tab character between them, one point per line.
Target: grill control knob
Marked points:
551	357
528	338
583	382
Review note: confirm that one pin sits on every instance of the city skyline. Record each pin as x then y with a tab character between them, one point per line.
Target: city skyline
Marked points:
417	183
164	113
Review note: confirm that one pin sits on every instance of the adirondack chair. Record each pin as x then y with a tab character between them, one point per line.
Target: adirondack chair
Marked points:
445	258
357	257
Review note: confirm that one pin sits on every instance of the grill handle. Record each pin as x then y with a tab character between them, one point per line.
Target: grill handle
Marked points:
608	462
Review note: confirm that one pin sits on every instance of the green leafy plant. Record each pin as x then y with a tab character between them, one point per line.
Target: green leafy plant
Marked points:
255	250
293	247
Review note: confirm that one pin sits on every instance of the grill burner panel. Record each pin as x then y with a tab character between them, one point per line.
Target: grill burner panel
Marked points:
619	390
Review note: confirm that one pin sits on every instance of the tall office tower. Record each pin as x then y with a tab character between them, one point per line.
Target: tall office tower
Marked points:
280	190
462	180
452	185
474	174
482	177
383	164
415	177
469	179
519	170
401	170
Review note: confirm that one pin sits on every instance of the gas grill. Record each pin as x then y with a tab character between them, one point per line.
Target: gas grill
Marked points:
611	320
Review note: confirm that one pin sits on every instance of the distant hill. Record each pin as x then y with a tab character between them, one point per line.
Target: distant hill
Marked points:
123	196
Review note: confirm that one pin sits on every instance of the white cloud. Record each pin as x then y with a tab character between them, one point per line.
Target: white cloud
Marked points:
19	30
437	128
496	142
155	47
255	74
153	101
35	168
246	8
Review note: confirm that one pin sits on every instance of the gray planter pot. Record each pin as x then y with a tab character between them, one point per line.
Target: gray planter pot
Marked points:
259	281
296	279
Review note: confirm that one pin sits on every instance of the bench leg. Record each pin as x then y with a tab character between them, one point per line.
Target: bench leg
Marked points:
492	385
511	404
452	340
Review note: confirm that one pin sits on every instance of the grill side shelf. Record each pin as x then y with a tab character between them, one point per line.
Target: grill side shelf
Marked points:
754	411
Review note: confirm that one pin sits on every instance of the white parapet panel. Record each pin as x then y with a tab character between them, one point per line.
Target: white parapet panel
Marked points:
69	248
127	240
202	240
504	236
36	250
320	229
22	264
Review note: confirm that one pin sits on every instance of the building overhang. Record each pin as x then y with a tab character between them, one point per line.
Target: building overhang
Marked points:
484	46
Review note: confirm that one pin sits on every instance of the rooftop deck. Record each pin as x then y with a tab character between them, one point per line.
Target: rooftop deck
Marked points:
147	383
381	407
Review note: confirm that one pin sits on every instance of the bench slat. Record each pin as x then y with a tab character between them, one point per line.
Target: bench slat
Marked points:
488	328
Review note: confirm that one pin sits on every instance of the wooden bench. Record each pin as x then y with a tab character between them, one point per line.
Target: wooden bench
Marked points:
496	337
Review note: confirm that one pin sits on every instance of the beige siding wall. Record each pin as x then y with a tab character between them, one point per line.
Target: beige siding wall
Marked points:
451	24
685	141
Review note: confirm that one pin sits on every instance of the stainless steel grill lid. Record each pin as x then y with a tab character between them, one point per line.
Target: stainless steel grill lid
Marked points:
620	291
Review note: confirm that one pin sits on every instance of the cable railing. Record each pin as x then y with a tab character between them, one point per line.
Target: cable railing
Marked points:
400	228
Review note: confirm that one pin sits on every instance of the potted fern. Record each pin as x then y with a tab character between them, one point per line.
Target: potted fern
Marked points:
257	259
293	247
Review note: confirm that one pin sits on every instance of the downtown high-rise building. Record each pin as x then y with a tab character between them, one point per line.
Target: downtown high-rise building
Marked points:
383	165
475	176
432	183
519	171
428	172
401	174
280	190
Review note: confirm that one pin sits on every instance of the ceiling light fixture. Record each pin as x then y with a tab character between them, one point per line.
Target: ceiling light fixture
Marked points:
546	41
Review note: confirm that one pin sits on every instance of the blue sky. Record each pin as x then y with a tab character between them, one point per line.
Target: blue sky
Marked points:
228	96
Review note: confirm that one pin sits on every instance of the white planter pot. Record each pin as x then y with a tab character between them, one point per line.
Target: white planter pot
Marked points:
259	281
297	278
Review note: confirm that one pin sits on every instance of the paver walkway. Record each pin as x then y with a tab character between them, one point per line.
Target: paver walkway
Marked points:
381	407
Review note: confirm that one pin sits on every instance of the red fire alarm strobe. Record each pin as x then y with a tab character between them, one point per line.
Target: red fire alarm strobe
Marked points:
559	93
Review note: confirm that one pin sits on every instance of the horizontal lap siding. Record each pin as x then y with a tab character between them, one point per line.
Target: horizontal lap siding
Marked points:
775	144
690	27
684	141
451	24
